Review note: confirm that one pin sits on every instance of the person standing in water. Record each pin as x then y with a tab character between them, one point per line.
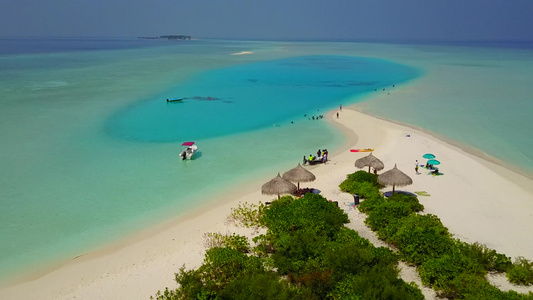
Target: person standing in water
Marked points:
340	107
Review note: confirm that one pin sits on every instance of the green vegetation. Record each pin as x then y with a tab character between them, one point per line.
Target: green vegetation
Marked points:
454	269
521	272
247	215
236	242
306	253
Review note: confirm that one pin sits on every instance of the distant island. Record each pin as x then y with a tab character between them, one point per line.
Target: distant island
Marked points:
168	37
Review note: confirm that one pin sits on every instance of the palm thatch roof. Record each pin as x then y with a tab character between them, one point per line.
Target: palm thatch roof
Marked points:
299	174
394	177
278	186
369	161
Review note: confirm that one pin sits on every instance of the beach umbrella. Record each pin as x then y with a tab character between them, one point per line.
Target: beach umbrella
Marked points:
433	162
299	174
369	161
394	177
428	156
278	186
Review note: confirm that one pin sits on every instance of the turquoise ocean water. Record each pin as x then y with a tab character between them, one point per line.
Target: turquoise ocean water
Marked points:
90	145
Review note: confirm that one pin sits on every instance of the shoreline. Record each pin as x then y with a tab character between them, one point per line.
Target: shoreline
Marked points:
493	162
145	262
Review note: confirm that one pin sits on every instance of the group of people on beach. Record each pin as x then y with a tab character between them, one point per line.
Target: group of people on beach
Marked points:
321	157
433	170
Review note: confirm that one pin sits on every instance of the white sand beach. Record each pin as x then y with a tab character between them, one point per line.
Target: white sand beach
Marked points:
478	201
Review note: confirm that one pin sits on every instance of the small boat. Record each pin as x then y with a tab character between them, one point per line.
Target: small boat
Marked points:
175	100
188	152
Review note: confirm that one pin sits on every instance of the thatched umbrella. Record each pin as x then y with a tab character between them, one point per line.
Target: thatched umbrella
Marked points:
369	161
278	186
394	177
299	174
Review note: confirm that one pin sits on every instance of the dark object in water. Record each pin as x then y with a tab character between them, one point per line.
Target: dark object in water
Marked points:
175	100
205	98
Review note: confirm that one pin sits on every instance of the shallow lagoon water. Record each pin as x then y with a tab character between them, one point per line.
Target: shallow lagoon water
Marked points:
90	145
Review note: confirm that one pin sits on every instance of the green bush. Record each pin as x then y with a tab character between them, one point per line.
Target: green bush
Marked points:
363	176
258	286
410	201
387	211
453	268
370	203
386	214
247	215
489	259
473	287
376	283
521	272
306	253
437	272
311	212
362	183
234	241
293	251
364	189
422	237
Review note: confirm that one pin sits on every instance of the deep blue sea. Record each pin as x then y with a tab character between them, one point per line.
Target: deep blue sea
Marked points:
90	145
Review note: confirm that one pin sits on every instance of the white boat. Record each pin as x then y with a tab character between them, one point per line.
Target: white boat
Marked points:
188	152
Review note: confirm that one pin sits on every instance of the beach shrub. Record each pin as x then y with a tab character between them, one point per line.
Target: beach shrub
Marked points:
363	176
221	266
237	242
455	269
410	202
262	246
364	189
247	214
345	235
213	239
422	237
376	283
306	253
489	259
311	211
473	287
384	213
234	241
521	272
363	183
370	203
437	272
258	286
295	250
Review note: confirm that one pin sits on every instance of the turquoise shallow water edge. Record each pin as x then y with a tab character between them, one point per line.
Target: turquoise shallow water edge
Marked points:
90	145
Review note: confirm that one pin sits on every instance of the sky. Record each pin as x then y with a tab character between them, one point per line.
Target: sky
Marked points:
456	20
